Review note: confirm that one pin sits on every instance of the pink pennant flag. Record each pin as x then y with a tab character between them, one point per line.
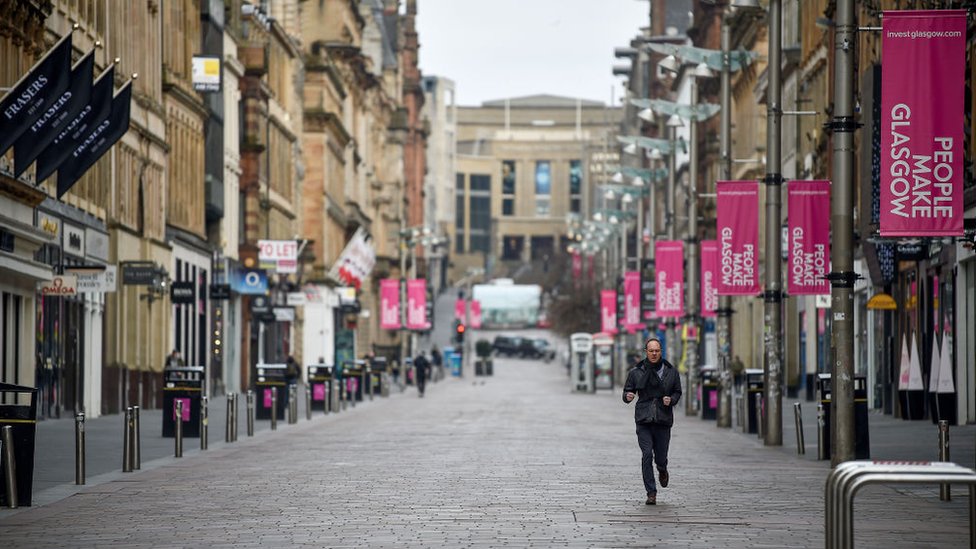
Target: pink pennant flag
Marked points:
922	106
737	226
709	277
669	257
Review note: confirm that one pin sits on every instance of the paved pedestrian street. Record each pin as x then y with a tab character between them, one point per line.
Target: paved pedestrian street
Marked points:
513	460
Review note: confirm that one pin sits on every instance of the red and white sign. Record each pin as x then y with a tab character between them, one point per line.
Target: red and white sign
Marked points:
356	260
60	286
709	277
417	304
922	107
390	304
280	256
608	311
737	226
670	274
809	243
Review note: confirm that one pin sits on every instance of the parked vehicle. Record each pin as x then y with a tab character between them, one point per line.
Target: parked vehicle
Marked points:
536	348
506	345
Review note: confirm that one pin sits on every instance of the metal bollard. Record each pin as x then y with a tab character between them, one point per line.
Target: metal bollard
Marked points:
308	402
821	443
230	419
203	422
233	425
9	466
80	448
801	448
136	440
292	404
274	408
250	413
760	424
178	439
127	441
944	489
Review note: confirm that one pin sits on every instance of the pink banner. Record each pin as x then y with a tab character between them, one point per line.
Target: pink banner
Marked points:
922	108
417	304
669	257
709	277
390	304
738	237
184	411
475	314
577	267
809	228
459	309
318	391
608	311
632	320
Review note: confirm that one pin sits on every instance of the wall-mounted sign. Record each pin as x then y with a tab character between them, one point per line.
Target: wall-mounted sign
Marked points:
220	292
295	299
181	293
93	280
59	286
206	73
280	256
284	314
138	273
50	224
249	281
73	240
96	244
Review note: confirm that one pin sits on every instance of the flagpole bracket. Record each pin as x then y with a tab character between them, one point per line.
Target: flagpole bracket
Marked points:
844	279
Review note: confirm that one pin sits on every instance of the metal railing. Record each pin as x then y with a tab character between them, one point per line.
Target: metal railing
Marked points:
848	478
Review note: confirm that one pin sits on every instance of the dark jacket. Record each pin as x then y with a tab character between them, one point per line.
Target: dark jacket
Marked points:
650	389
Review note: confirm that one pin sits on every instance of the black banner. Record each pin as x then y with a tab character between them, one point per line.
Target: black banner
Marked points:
98	142
40	134
75	131
35	93
648	293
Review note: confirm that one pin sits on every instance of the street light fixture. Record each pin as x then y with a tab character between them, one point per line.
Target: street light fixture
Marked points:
630	149
669	63
647	115
617	177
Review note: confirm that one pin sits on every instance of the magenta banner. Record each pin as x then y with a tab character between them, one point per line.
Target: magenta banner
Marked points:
632	301
417	304
608	311
475	314
809	233
459	309
737	226
922	121
577	267
669	258
390	304
709	277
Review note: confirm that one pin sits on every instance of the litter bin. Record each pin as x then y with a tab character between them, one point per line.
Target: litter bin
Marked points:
755	384
453	360
709	392
319	379
379	368
353	373
19	411
268	376
182	384
862	442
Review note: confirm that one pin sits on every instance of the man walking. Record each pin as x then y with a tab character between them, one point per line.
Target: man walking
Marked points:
657	385
421	367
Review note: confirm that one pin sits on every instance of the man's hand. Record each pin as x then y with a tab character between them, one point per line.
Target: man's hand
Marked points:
629	396
666	401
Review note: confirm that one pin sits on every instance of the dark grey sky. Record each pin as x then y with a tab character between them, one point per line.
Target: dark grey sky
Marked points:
494	49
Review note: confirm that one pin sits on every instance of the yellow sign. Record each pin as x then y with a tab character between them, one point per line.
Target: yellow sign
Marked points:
883	302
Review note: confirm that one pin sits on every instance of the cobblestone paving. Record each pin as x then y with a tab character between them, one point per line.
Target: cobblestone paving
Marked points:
514	460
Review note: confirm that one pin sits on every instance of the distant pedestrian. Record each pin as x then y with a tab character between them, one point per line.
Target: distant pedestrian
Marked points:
657	385
292	371
421	368
174	360
437	360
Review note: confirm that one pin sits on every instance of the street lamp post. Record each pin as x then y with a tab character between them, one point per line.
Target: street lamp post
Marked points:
674	122
723	326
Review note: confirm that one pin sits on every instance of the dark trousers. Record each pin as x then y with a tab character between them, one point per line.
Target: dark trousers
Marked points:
421	382
653	441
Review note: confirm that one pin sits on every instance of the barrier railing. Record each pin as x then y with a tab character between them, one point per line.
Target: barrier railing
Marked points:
845	480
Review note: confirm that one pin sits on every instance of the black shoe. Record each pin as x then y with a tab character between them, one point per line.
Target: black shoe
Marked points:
651	498
662	475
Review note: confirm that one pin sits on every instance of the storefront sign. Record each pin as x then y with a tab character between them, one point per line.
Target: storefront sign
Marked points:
50	224
65	285
280	256
737	226
295	299
219	292
138	273
809	243
390	304
709	278
95	280
74	240
284	314
249	281
182	293
922	106
669	255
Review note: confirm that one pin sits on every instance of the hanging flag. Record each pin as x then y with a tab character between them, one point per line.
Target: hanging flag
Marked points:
61	112
390	304
709	277
417	304
632	301
904	365
946	382
459	309
608	311
35	92
915	369
98	142
475	314
922	105
577	267
669	259
737	226
70	136
809	237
